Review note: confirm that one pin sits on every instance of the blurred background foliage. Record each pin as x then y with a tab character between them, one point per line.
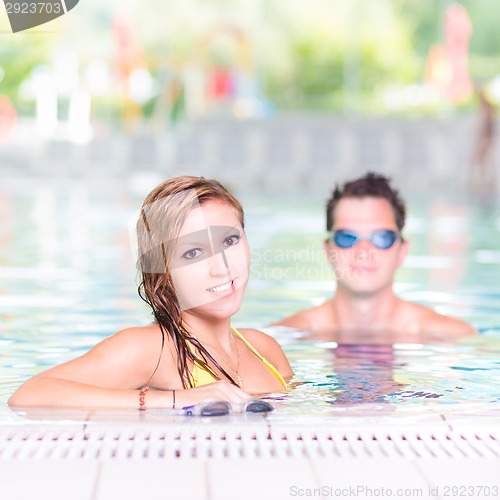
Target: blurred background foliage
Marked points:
323	55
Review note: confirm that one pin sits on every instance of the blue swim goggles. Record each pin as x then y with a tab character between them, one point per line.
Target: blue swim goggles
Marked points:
382	239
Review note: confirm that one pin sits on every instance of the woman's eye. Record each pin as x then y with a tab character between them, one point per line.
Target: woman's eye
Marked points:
232	240
192	254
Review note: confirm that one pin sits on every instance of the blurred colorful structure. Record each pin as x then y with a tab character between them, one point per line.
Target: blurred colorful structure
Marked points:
458	32
282	90
8	118
447	66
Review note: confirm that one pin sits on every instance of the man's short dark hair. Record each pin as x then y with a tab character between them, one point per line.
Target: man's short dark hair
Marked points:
371	184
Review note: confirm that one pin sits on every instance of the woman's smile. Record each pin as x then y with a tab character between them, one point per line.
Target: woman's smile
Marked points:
222	289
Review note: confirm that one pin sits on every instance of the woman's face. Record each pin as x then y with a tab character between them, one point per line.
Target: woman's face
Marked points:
210	263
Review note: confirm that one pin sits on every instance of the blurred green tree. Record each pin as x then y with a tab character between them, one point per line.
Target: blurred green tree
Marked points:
17	59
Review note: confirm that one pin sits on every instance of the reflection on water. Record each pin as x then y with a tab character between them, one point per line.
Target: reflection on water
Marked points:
393	377
364	373
67	280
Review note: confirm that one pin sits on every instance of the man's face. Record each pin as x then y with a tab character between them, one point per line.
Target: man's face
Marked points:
365	269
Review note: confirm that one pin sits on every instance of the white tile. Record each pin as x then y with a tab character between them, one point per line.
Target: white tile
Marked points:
370	478
482	423
50	416
152	480
374	422
258	478
463	478
47	480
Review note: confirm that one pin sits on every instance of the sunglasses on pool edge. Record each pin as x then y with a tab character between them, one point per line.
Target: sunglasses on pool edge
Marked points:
382	239
217	408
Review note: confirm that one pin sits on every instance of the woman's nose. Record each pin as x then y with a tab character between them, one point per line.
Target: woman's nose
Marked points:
218	264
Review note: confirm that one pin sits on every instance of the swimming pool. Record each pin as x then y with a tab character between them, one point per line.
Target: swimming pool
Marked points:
402	416
68	280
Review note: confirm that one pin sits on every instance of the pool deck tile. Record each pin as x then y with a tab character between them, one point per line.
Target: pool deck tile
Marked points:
152	480
358	424
355	477
262	478
464	422
469	476
47	480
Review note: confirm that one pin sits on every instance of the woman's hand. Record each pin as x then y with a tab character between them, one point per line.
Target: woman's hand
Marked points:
221	390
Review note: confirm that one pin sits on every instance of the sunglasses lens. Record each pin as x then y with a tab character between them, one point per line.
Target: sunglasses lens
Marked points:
258	406
344	239
383	239
215	409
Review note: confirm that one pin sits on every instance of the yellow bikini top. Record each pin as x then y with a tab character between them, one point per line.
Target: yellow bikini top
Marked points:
202	377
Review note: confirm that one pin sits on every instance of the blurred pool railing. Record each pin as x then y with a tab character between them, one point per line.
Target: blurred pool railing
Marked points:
300	151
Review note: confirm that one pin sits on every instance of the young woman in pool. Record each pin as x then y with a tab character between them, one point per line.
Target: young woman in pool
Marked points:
193	257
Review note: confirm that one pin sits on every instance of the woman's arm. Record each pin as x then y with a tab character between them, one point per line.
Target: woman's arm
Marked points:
111	373
108	375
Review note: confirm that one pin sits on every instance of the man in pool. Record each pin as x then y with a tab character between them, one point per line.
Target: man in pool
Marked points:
365	247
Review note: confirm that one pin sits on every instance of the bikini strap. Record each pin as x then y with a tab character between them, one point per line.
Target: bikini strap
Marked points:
269	365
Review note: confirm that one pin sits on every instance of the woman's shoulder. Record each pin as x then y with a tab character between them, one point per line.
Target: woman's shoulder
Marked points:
146	336
262	342
268	347
140	331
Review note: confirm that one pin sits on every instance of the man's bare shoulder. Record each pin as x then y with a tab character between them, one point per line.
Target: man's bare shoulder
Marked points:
314	318
438	323
430	322
300	320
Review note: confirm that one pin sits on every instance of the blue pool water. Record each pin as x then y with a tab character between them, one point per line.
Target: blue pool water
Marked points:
67	280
